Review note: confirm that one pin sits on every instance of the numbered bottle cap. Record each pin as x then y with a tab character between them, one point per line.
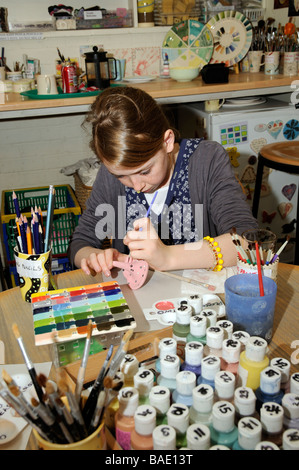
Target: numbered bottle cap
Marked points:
167	346
128	398
193	353
198	437
198	325
164	437
294	383
215	336
290	404
225	384
256	348
227	327
203	398
185	382
183	312
266	445
178	417
271	416
219	447
241	336
284	366
211	316
159	398
210	365
231	349
249	432
290	439
223	416
244	401
170	366
270	380
145	419
143	381
196	302
129	365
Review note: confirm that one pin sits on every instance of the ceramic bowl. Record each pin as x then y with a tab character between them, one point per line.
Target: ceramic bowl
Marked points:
183	74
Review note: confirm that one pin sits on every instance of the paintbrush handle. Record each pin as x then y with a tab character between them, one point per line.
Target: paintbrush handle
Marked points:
187	279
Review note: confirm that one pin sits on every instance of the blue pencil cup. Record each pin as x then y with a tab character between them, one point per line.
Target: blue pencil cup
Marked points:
246	308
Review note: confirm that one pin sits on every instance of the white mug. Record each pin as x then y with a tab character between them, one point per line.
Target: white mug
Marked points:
213	105
46	85
255	61
272	63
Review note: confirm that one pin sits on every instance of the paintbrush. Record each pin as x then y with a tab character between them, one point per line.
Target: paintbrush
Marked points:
28	362
186	279
120	353
280	249
236	239
82	369
51	391
259	269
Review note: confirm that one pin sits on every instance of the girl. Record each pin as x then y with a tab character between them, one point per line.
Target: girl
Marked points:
197	198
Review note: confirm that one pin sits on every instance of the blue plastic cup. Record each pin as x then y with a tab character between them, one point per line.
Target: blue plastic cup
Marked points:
246	309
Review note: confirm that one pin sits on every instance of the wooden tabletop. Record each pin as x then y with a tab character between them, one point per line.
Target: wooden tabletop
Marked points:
240	84
285	341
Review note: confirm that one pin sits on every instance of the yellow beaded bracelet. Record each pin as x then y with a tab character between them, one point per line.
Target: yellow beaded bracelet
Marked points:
217	253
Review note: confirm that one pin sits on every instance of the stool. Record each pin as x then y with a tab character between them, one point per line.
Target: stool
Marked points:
281	156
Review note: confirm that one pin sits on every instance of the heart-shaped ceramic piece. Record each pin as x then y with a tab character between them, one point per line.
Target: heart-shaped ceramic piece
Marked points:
285	208
274	128
135	271
257	144
289	190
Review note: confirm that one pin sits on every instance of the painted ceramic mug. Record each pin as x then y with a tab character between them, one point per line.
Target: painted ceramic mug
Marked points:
272	63
255	61
290	63
213	105
34	273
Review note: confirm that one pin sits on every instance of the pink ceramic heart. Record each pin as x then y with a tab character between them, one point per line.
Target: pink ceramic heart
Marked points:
135	271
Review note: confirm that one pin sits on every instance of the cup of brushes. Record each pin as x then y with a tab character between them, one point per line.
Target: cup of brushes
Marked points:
62	419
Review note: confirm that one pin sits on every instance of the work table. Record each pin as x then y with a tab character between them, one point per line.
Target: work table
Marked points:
164	90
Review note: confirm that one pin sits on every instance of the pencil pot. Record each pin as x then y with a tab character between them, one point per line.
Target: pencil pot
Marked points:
95	441
33	272
246	308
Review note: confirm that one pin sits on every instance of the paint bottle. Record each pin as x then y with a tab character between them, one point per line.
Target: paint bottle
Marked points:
290	439
202	404
196	302
210	315
244	403
145	423
223	429
210	365
219	447
159	398
185	382
193	357
128	398
225	386
231	350
241	336
166	346
294	383
198	327
178	418
181	327
252	361
249	434
271	417
215	337
170	366
266	445
198	437
129	367
285	367
227	327
290	404
269	389
144	381
164	437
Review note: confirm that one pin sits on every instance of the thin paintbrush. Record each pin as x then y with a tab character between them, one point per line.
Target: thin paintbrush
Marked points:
28	362
81	373
187	279
280	249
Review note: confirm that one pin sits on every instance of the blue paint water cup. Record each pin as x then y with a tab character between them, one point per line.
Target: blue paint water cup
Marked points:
246	308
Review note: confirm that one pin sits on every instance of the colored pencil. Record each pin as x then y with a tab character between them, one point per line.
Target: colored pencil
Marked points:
151	204
49	223
16	204
259	269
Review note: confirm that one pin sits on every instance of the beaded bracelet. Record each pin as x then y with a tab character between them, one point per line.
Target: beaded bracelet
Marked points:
217	253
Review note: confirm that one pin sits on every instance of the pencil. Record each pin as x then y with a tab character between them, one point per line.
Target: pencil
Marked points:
49	222
16	204
151	204
28	362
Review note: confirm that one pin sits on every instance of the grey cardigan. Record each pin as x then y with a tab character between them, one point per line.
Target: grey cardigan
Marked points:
214	191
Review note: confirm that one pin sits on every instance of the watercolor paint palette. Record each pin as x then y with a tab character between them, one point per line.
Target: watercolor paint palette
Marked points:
63	315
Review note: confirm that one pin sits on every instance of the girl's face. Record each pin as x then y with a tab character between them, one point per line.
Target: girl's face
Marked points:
150	176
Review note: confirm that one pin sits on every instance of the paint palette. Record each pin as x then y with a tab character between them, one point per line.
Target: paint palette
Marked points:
63	315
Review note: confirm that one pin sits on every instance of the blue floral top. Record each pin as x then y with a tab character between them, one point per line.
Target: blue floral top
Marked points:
175	225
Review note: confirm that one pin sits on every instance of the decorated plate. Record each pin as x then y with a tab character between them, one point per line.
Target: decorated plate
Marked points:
188	44
232	35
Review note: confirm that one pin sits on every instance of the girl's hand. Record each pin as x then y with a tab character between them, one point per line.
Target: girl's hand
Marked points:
101	261
144	243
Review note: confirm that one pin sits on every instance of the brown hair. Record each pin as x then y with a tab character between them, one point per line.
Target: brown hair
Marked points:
128	126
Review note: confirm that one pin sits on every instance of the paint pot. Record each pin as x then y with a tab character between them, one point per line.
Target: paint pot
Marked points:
170	366
202	404
193	357
178	418
143	382
231	350
145	423
285	367
225	386
198	437
129	367
166	346
252	361
185	382
211	316
244	402
181	327
290	404
249	434
198	327
223	429
159	398
270	387
215	337
164	437
290	439
210	365
271	417
124	418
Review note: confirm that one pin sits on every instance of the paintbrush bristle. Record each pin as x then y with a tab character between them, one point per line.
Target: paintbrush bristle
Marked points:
42	380
16	331
127	336
108	382
89	329
6	377
34	402
50	387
